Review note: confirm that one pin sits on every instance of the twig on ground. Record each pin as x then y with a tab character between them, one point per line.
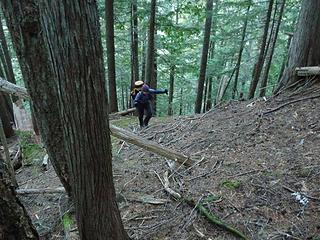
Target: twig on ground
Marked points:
291	190
206	173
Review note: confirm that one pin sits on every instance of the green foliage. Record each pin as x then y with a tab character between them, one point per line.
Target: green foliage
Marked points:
30	149
231	184
67	221
179	39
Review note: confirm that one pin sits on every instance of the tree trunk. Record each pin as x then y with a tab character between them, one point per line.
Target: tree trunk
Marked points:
5	74
181	102
243	36
259	64
80	74
143	56
6	53
206	85
285	59
265	76
171	90
149	70
209	98
14	220
5	116
204	56
24	25
305	47
113	102
134	43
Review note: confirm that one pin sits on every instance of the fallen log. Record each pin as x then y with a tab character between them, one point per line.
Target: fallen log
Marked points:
308	71
11	88
14	89
123	113
150	146
41	191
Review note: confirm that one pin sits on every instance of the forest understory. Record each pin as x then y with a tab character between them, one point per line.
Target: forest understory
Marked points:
257	168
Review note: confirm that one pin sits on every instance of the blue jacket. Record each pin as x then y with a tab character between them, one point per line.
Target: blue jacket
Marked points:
143	98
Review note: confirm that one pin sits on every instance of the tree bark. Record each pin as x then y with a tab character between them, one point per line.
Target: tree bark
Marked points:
24	25
265	75
149	69
80	75
6	53
285	58
14	220
305	47
171	89
204	56
5	116
134	43
113	102
259	64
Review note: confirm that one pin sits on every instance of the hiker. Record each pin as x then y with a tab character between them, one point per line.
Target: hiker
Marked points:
136	89
142	102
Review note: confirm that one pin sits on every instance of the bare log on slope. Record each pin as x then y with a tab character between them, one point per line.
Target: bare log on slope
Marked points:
41	191
7	87
123	113
14	89
308	71
150	146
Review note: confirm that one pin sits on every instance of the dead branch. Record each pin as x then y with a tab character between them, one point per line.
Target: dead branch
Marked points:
215	220
292	191
285	104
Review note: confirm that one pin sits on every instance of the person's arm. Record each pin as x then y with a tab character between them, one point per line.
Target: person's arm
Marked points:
137	99
158	91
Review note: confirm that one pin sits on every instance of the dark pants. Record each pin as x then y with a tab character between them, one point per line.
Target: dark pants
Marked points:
142	109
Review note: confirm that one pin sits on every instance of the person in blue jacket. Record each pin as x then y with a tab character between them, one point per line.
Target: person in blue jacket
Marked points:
142	102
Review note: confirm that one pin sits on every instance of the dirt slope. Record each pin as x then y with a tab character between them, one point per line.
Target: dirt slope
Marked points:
258	172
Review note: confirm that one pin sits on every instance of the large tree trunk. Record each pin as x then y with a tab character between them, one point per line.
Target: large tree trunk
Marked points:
204	56
15	223
113	103
274	39
149	70
134	44
259	64
80	75
10	76
24	25
305	47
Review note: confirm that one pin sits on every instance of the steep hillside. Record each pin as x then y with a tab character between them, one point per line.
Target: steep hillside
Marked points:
258	170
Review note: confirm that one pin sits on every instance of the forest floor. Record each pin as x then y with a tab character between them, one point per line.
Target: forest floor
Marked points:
257	169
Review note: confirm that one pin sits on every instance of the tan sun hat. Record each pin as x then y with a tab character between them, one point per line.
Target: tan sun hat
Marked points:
138	83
